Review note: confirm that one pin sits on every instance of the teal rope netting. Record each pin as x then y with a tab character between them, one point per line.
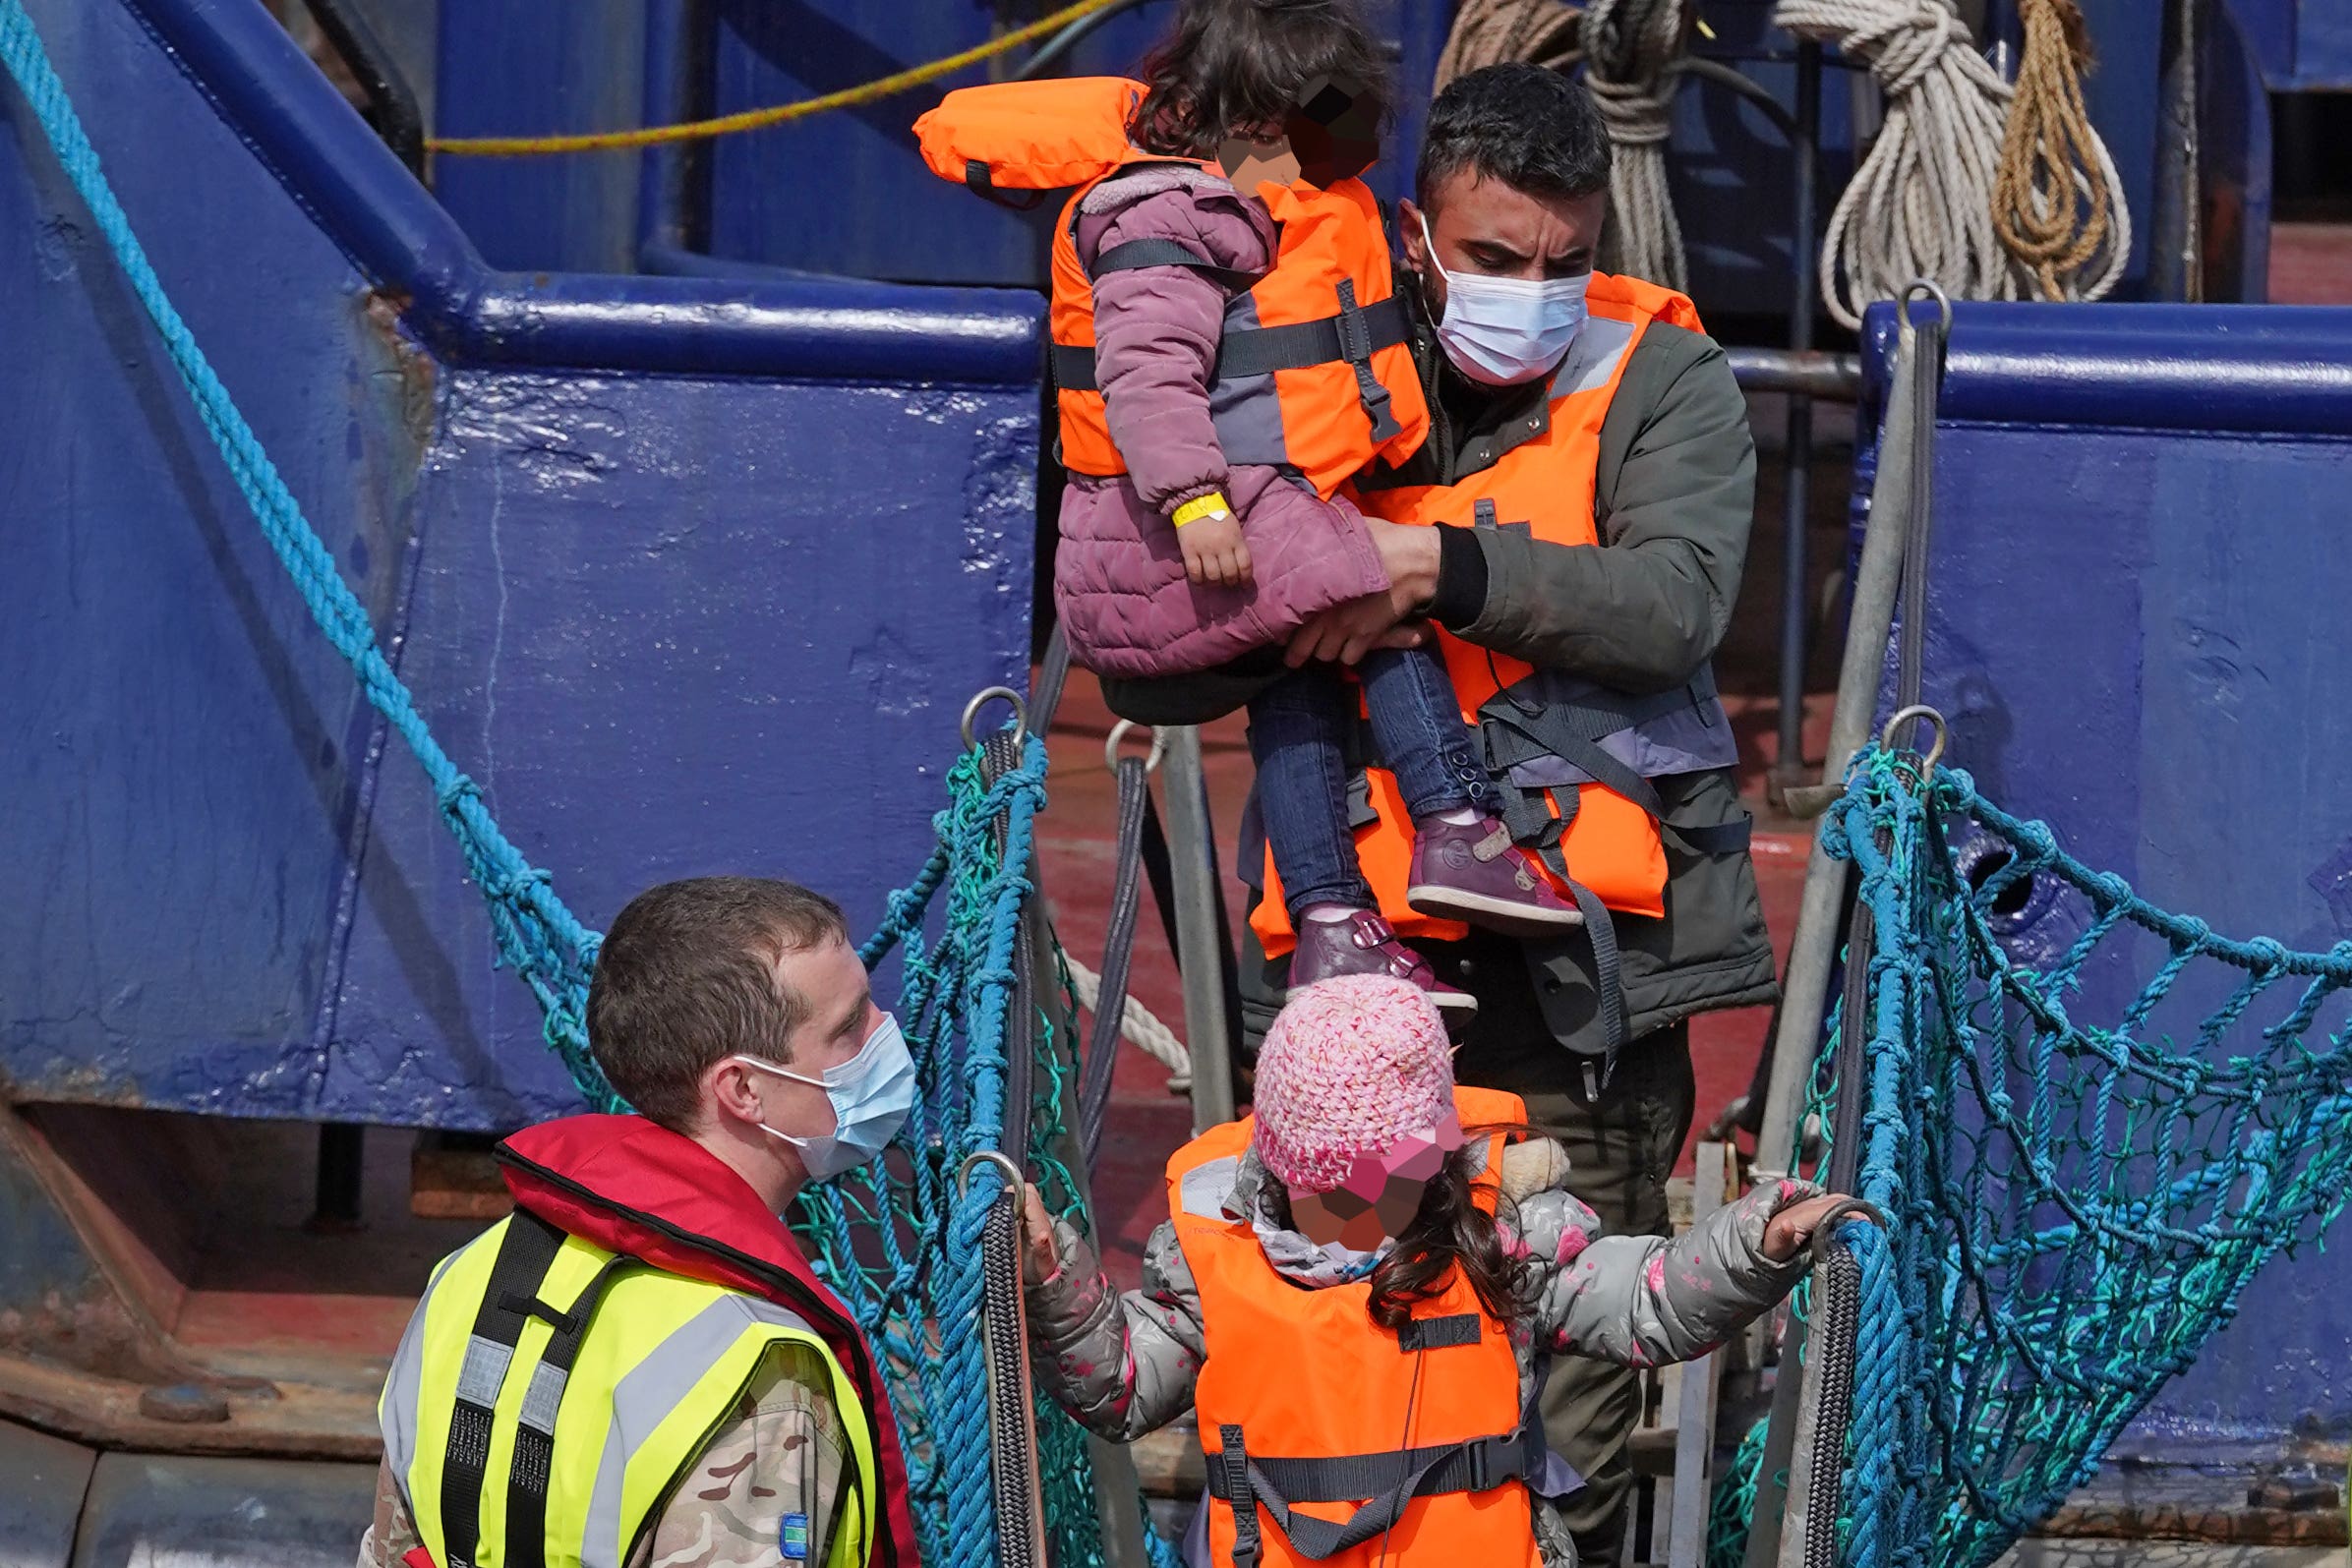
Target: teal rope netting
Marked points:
2085	1167
899	1245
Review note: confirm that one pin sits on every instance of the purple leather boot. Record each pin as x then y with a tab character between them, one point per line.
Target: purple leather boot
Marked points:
1472	872
1366	944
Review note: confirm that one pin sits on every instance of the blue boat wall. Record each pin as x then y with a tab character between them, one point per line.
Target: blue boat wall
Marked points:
2136	601
690	574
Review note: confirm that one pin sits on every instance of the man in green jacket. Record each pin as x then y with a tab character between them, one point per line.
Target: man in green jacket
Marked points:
1512	184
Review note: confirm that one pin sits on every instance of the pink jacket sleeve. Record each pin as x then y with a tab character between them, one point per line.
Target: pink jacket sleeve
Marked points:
1156	327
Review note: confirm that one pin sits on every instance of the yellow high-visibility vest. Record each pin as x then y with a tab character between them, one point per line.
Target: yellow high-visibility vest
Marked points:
549	1395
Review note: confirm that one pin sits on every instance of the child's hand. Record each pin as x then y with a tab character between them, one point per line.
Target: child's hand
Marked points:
1039	1260
1213	552
1786	1233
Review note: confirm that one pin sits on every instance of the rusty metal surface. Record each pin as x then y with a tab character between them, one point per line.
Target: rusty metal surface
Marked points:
43	1480
281	1419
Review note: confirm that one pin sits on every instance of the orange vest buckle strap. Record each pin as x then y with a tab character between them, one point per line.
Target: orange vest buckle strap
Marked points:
1352	336
1390	1481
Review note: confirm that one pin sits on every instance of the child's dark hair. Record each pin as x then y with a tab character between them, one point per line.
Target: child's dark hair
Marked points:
1234	66
1450	1232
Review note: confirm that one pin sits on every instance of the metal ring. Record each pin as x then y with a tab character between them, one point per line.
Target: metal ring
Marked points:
1118	737
1012	1173
1934	291
1886	736
1843	1211
972	711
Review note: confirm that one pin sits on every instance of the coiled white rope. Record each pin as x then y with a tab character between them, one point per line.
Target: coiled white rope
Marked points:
1629	46
1923	202
1628	49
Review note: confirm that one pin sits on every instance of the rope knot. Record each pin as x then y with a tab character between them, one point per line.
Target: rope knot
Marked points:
457	792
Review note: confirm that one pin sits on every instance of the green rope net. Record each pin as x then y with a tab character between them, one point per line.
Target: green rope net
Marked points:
2092	1123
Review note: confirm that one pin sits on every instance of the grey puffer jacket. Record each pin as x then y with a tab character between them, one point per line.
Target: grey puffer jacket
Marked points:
1119	582
1126	1365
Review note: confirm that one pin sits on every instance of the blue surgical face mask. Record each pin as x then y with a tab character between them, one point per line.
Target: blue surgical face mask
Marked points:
871	1094
1504	331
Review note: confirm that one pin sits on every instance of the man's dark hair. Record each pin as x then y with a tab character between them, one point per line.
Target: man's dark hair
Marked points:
687	976
1232	65
1533	129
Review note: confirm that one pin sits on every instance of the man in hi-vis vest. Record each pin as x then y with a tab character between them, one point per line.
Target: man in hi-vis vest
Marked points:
638	1366
1571	534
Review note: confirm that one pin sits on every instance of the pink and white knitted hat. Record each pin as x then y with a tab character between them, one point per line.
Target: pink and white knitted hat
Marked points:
1349	1068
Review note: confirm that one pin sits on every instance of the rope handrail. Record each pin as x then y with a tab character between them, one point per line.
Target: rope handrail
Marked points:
510	147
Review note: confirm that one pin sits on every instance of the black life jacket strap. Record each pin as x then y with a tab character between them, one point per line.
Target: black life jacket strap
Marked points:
1392	1480
1356	346
1136	255
525	1253
1262	350
535	1438
979	183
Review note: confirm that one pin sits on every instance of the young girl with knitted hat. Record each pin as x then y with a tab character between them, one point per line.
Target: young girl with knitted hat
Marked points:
1359	1290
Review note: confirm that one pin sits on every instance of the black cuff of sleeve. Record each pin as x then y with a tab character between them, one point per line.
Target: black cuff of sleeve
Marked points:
1461	596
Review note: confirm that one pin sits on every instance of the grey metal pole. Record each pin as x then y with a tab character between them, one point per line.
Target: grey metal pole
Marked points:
1805	992
2176	255
1813	949
1190	848
1795	604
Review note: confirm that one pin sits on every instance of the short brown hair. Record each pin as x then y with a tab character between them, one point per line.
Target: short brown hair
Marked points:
687	977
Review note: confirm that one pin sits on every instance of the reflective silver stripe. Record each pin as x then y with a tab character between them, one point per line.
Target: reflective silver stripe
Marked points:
601	1546
540	1399
485	1370
1204	1187
1594	359
647	1395
403	1386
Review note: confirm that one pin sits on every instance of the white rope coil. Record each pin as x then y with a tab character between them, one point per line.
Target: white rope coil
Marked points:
1629	49
1923	202
1136	1026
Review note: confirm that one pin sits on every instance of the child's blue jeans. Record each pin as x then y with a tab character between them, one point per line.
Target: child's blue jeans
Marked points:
1299	732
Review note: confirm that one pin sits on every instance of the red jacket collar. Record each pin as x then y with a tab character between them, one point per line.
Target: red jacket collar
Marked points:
630	1185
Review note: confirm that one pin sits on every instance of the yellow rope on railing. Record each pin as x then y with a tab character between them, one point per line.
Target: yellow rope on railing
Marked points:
504	146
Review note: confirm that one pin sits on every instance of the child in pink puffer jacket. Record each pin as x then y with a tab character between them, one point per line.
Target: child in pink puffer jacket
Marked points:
1247	356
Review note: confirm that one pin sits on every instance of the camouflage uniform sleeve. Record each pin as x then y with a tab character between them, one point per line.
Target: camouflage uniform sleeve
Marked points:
393	1534
767	1490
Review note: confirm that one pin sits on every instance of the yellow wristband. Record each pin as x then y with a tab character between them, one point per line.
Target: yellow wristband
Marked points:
1211	504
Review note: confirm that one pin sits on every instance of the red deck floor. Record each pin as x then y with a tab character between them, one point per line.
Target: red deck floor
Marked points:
1146	1122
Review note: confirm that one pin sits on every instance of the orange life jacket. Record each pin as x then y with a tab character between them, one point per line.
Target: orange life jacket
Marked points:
1321	1418
1313	370
1592	817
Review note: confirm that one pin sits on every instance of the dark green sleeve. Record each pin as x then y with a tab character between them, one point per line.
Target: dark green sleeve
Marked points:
1644	610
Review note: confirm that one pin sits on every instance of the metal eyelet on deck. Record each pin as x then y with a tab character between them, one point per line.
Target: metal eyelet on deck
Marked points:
1851	1208
1919	711
1011	1172
1932	290
1012	698
1118	736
